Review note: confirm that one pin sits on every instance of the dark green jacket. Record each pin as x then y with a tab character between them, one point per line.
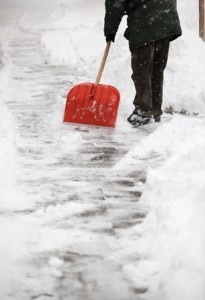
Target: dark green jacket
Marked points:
148	20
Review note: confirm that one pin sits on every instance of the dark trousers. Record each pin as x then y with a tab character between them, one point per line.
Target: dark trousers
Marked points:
148	64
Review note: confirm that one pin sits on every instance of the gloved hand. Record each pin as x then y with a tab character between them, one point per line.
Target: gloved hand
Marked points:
110	38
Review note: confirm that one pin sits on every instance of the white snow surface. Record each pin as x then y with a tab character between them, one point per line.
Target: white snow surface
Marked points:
173	233
165	253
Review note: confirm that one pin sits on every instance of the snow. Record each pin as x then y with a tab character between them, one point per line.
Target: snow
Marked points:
173	233
8	155
163	256
187	60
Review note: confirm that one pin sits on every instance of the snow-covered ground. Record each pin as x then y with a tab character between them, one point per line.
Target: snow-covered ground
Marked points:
72	223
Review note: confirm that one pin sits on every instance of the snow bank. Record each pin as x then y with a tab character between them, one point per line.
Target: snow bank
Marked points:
171	240
176	224
8	137
11	199
185	76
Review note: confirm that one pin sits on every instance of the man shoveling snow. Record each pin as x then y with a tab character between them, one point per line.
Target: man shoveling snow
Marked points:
152	25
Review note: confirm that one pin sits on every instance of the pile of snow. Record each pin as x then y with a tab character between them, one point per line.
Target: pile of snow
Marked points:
175	229
171	240
12	247
184	88
8	141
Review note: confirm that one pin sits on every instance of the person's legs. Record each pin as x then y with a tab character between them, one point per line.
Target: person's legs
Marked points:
142	62
159	64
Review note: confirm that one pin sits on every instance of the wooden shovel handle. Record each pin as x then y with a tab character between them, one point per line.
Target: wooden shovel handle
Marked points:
103	63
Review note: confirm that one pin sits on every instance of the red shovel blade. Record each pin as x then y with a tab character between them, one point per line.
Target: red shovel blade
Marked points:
92	104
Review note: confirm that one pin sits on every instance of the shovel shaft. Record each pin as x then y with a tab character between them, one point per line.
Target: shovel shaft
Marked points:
103	63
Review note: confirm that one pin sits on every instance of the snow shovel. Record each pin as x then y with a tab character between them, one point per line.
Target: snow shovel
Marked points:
93	103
